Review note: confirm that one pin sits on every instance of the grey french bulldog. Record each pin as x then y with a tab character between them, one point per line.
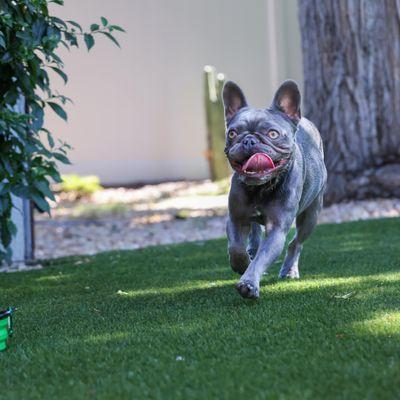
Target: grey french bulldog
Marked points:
279	177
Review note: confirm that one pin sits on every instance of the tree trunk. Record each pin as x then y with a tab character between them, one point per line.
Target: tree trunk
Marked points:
351	61
22	245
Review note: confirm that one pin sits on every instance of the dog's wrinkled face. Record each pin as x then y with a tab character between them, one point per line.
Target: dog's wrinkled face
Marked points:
260	142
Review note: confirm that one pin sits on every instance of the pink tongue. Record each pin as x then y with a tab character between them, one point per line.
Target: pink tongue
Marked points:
258	162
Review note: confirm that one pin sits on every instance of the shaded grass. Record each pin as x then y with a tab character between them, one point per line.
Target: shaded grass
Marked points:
166	323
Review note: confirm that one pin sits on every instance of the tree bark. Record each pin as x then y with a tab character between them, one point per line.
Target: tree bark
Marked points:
351	61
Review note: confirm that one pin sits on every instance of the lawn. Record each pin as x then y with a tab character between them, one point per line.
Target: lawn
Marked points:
166	323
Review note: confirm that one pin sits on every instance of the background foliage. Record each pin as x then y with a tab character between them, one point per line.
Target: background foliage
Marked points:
30	38
80	185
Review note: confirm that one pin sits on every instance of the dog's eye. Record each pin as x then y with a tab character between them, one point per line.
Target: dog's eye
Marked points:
232	134
273	134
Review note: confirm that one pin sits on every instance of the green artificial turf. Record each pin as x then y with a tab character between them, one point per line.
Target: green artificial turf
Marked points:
166	323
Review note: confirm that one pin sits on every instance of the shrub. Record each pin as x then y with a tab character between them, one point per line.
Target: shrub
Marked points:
80	185
29	40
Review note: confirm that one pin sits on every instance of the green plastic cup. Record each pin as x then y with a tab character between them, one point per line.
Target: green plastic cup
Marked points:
5	327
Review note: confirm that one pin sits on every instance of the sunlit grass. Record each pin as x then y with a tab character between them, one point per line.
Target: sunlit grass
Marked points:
384	323
166	323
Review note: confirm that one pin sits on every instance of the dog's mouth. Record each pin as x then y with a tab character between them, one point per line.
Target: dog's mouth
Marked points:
258	165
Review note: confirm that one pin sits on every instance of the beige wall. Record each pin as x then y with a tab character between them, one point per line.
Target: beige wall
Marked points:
138	112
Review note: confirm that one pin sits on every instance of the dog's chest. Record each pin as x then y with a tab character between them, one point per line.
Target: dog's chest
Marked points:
257	214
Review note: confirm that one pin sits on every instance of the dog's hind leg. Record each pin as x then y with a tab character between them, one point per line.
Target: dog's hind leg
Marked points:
254	240
305	224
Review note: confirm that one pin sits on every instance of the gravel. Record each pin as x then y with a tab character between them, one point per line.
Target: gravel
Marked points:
117	219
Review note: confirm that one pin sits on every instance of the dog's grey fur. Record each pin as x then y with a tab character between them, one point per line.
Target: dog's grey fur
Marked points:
291	192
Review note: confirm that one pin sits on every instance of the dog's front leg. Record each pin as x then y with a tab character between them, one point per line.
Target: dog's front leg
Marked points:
238	232
268	252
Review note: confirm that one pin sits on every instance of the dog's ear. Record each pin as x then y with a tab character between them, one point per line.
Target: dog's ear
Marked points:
233	98
287	99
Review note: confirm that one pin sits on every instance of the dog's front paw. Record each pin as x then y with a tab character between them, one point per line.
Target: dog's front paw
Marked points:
248	289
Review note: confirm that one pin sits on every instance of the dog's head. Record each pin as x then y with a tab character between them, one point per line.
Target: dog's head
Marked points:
260	142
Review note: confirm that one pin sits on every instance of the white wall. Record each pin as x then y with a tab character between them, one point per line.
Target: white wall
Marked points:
138	112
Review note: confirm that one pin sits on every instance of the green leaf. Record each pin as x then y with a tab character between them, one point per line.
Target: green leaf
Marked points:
38	28
50	139
5	206
62	158
111	37
2	41
71	38
76	25
55	58
40	202
104	21
59	21
58	110
61	73
7	165
3	187
5	233
54	174
11	227
43	187
117	28
94	27
89	40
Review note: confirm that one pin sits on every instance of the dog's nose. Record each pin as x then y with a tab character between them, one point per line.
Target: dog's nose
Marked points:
249	141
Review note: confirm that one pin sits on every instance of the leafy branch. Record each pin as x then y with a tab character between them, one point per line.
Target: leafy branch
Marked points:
29	41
